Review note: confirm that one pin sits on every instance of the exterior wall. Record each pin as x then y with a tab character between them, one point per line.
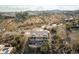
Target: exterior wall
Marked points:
38	38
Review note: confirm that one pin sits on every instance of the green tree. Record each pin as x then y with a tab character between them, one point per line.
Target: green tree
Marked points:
21	16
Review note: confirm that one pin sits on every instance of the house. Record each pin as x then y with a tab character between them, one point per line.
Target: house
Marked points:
38	37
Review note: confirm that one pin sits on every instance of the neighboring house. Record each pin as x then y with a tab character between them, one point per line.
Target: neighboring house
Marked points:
8	15
6	50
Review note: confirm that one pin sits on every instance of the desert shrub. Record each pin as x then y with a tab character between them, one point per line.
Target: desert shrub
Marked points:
45	48
53	31
18	42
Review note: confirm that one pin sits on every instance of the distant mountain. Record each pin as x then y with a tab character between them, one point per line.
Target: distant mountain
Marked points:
17	8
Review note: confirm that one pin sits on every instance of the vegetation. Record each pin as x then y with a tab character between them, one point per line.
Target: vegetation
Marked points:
21	16
45	48
63	37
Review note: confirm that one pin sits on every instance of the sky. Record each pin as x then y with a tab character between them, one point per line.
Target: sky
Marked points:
10	8
24	5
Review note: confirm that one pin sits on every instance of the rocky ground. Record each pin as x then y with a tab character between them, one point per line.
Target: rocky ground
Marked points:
62	40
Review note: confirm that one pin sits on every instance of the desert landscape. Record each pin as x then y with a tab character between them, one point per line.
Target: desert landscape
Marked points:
39	32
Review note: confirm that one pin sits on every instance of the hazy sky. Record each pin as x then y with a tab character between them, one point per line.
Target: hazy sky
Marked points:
10	8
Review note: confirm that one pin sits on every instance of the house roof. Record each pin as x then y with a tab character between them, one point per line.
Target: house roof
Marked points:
39	33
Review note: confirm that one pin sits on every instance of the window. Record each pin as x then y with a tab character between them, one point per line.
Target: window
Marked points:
45	37
33	37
